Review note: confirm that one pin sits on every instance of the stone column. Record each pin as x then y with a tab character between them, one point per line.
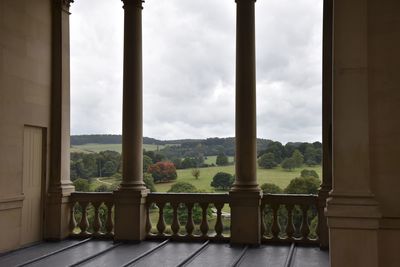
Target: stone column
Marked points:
245	193
326	185
352	211
60	186
130	197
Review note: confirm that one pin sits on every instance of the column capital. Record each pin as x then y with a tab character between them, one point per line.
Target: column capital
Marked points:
66	4
137	3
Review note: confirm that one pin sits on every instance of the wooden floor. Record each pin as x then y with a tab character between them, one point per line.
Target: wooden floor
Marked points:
106	253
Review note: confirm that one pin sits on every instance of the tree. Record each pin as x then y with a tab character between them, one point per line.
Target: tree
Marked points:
196	173
81	185
310	155
309	173
288	164
267	161
298	158
222	181
147	161
303	185
189	163
221	160
269	188
163	171
149	182
109	169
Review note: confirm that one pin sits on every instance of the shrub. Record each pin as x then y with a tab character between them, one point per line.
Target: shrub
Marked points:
303	185
288	164
196	173
149	182
309	173
163	171
182	187
222	181
269	188
81	185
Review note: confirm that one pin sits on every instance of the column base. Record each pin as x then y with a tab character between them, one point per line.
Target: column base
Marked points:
57	212
353	222
245	217
130	215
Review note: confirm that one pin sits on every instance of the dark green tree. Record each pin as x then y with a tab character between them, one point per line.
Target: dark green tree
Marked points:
149	182
81	185
147	161
267	161
303	185
269	188
222	181
222	160
288	164
298	159
309	173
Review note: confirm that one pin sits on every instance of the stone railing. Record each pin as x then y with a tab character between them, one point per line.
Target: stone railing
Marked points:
289	218
92	214
200	216
188	216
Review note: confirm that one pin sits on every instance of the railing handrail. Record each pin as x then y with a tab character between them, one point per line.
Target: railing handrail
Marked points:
188	197
92	196
295	199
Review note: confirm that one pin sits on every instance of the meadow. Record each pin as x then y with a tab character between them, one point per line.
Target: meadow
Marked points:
277	176
96	148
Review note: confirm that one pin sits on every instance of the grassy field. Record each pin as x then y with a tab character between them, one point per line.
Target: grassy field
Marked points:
95	148
276	176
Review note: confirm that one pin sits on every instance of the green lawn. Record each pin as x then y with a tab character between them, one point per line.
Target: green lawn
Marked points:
276	176
95	148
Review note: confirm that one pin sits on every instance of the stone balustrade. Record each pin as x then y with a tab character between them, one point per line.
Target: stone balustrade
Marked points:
190	215
289	218
92	214
199	216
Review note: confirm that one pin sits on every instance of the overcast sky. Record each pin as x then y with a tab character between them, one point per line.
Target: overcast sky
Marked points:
189	68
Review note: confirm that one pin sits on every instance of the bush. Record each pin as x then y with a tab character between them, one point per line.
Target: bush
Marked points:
147	161
303	185
309	173
196	173
163	171
269	188
102	188
182	187
81	185
222	160
149	182
267	161
222	181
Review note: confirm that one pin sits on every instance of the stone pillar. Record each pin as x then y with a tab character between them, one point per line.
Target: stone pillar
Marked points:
326	185
245	194
130	197
60	185
352	211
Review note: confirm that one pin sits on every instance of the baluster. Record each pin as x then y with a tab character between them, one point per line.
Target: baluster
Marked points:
96	221
148	221
175	226
204	222
109	223
275	224
262	213
84	223
290	227
161	221
189	223
305	229
72	220
218	224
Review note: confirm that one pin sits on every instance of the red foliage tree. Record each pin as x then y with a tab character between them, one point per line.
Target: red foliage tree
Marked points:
163	171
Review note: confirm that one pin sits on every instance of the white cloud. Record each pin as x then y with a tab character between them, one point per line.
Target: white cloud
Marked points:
189	67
